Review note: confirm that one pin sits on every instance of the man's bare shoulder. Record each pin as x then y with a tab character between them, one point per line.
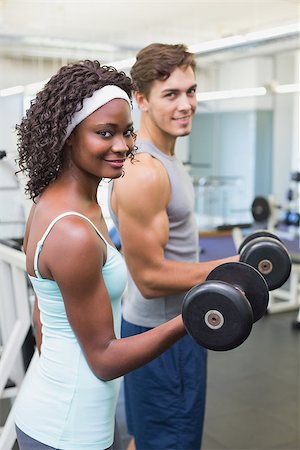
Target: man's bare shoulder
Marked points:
144	168
143	159
144	175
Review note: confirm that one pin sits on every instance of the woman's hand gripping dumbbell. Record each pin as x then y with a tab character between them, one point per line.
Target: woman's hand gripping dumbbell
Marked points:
267	253
220	312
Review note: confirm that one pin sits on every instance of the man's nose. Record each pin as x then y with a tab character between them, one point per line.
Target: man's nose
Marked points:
184	102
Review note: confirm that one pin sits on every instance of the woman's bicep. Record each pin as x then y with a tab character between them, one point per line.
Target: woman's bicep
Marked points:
78	273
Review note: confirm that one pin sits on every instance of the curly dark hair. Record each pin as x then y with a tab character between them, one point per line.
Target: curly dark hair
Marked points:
156	62
42	131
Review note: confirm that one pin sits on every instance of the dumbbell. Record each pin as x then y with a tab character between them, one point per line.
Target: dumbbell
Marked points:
267	253
261	209
219	313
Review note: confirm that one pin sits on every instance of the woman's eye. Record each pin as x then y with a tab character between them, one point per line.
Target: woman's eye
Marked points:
105	134
128	133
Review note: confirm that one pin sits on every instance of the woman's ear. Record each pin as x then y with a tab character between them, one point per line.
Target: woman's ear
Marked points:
69	141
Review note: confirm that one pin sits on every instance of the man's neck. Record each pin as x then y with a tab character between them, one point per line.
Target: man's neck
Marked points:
160	139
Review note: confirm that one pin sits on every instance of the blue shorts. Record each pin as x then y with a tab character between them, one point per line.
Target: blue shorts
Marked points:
165	399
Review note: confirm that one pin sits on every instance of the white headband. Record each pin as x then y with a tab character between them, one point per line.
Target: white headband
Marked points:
98	99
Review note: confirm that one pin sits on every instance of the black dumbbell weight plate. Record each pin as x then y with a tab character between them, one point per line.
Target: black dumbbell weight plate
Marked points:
260	209
270	258
257	234
249	281
217	315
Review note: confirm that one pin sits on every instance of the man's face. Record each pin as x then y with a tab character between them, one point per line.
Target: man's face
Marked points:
172	103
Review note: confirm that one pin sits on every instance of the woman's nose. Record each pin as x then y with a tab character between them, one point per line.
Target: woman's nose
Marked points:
120	144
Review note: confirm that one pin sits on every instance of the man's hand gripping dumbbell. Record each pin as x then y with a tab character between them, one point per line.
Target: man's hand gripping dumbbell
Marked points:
220	312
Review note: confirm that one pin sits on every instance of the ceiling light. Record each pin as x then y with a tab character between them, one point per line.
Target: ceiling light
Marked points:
11	91
217	44
65	43
287	88
233	93
33	88
269	33
229	42
244	39
123	64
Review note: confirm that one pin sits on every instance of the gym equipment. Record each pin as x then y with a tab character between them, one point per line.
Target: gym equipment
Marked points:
265	212
291	216
295	176
257	234
15	326
291	219
260	209
2	154
269	256
220	312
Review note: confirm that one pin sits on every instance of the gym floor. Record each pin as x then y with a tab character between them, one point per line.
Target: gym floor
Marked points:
253	393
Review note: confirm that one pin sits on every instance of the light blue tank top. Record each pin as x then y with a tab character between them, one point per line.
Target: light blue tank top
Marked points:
62	403
183	243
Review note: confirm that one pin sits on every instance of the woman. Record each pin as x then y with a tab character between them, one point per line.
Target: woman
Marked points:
77	131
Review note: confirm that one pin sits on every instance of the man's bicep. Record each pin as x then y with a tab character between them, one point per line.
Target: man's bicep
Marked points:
144	234
141	201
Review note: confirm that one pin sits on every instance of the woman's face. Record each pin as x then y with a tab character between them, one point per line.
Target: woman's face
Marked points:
100	143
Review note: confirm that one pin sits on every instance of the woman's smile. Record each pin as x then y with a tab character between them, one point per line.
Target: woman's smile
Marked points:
117	163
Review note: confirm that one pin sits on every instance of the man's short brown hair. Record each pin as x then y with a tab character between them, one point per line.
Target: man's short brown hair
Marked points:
157	62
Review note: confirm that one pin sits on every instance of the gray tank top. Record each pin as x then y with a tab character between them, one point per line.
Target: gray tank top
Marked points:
182	245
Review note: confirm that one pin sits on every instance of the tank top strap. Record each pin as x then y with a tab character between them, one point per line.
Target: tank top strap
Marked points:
40	243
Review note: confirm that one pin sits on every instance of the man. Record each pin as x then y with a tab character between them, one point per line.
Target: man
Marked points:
152	206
